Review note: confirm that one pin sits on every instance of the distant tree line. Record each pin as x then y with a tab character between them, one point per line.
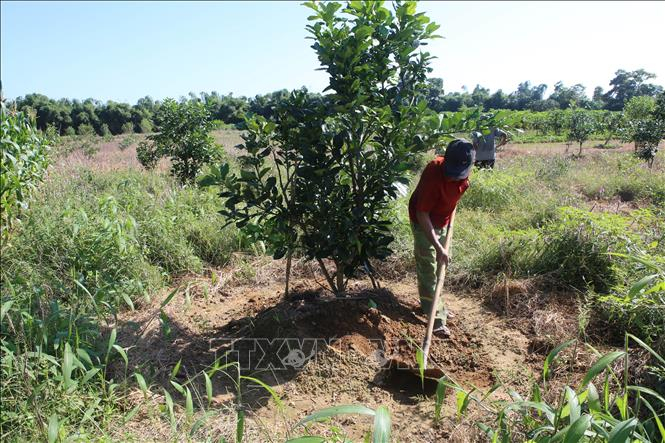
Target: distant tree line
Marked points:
70	117
624	86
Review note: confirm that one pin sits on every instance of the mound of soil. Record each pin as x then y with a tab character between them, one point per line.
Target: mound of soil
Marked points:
372	323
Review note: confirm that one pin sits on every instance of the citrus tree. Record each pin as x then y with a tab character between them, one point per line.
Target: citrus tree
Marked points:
320	175
580	126
183	135
610	123
557	121
645	125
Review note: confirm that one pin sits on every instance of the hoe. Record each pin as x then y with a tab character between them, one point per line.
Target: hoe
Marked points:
400	372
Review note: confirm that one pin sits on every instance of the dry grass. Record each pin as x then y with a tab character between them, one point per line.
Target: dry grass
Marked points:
229	138
110	157
550	317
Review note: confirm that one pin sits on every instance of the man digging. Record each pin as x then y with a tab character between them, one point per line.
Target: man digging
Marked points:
440	187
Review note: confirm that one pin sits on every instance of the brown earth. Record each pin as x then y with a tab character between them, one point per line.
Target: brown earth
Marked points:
355	335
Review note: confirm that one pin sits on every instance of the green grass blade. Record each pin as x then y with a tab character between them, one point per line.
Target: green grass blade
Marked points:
112	338
337	410
168	299
266	387
601	365
131	414
240	425
89	374
462	400
122	353
165	324
641	284
622	405
622	431
647	263
178	387
573	405
487	430
169	406
175	369
593	398
440	398
208	388
200	422
53	429
5	308
420	360
128	300
577	429
83	355
645	346
657	419
600	430
307	439
67	366
459	401
647	391
540	406
141	382
552	355
189	404
382	425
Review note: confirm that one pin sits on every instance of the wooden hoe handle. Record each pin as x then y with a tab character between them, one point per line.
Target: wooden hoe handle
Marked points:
440	278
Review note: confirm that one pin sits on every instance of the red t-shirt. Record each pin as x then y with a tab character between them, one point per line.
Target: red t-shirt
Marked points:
436	194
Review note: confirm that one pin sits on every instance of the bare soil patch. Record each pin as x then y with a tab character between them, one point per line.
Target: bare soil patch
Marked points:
349	339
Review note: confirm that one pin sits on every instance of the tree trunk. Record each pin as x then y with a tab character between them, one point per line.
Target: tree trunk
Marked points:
339	274
329	279
288	273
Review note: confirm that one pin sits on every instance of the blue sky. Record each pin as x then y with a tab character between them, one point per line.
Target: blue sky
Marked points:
126	50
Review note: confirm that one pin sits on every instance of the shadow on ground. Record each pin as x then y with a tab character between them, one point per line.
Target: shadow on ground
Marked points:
277	343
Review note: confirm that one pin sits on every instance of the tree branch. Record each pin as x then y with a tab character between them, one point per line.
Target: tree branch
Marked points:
327	275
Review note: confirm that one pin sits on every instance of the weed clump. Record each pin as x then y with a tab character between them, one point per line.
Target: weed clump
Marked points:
90	245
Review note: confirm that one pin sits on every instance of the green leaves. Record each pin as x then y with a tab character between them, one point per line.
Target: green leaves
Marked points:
574	409
23	163
208	384
577	429
337	410
382	420
600	365
622	431
270	390
169	407
578	416
382	425
319	175
240	425
67	367
462	400
53	431
183	135
420	360
580	126
552	356
440	397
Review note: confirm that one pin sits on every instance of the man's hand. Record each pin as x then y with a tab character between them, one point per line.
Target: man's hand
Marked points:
442	257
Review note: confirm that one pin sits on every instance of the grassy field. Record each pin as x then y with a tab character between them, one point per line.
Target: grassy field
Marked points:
148	279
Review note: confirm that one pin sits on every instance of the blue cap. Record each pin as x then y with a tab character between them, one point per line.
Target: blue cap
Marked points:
459	158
